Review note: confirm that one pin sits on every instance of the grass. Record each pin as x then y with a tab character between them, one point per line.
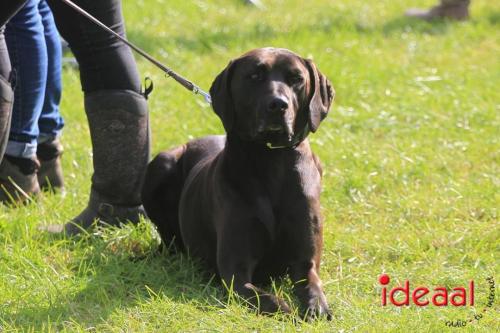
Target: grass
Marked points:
410	152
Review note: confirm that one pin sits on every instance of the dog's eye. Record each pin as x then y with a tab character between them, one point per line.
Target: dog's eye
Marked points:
257	76
296	79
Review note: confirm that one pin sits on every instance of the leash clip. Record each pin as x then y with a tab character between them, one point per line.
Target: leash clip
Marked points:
198	91
148	87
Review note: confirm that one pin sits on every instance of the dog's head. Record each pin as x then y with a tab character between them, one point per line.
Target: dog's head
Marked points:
271	96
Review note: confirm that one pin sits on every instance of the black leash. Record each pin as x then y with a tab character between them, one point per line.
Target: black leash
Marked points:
183	81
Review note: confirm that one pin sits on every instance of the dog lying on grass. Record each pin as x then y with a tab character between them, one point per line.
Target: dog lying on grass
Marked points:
248	203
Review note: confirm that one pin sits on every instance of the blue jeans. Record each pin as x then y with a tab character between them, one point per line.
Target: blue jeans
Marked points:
35	53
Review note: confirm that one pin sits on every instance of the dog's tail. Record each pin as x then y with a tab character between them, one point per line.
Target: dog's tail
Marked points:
161	193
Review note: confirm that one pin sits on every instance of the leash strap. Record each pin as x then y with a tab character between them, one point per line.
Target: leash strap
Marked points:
170	73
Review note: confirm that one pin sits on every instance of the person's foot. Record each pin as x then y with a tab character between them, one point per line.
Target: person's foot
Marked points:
453	10
50	175
18	179
255	3
98	212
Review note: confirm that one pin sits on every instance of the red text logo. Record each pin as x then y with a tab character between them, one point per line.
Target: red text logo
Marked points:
423	296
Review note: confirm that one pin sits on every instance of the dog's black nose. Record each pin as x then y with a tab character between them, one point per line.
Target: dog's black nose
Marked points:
278	104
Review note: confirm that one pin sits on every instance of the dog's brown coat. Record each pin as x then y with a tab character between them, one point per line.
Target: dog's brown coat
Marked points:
251	212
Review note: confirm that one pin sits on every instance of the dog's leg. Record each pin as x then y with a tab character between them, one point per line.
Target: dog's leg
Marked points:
161	194
307	283
237	258
308	289
239	277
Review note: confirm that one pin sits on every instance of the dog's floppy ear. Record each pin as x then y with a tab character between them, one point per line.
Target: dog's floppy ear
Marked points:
222	101
321	96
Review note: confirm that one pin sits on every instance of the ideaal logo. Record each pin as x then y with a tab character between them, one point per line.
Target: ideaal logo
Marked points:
436	296
459	296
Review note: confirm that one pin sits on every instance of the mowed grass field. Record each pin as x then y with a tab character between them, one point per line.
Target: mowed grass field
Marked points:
410	152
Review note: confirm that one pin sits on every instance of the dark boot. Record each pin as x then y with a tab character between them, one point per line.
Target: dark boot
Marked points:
18	180
450	9
50	175
118	122
6	103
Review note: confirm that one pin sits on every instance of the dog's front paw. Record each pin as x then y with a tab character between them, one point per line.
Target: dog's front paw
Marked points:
317	309
264	302
270	304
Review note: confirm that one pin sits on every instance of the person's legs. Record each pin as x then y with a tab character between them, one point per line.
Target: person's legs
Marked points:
105	62
50	122
451	9
116	111
7	10
28	54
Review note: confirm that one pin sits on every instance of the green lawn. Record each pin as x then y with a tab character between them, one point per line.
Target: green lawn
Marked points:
411	183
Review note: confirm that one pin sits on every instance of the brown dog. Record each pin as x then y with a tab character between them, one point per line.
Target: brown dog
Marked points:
248	203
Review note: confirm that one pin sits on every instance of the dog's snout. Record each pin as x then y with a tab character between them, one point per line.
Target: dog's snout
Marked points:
278	104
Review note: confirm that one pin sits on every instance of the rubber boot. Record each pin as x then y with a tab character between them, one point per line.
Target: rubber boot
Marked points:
18	181
450	9
50	175
119	129
6	103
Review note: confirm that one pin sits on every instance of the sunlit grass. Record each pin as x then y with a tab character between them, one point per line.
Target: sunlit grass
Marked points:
410	152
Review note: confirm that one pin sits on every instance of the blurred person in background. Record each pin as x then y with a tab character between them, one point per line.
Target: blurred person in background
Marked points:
256	3
450	9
